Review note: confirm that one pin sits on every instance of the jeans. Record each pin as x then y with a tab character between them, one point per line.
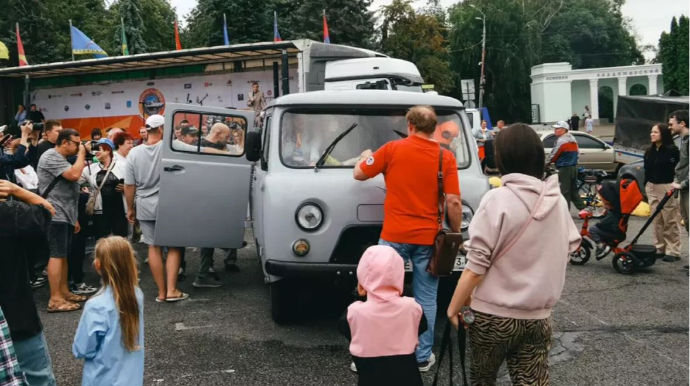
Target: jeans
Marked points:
424	289
34	360
207	260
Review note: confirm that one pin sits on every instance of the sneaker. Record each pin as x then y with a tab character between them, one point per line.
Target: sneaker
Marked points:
206	283
671	259
82	289
212	272
353	367
602	250
38	283
181	275
426	365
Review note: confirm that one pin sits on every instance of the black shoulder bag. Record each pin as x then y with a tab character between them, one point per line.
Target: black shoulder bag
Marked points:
446	243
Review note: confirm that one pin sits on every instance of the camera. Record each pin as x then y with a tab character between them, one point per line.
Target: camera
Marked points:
37	125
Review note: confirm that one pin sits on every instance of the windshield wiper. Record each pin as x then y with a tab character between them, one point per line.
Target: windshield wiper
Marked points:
330	147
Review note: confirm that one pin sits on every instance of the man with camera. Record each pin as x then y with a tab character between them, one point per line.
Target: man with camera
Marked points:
23	155
58	183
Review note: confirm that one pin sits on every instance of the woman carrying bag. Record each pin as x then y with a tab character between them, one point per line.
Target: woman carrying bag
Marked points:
517	255
660	162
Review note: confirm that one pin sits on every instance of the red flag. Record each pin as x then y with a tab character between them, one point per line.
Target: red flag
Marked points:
326	38
178	45
20	50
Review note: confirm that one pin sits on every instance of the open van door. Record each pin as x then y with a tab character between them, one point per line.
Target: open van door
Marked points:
205	177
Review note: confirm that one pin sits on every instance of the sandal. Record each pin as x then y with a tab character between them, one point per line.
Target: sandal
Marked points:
181	296
76	298
159	300
62	306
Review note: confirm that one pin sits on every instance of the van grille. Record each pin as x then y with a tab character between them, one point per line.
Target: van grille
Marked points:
353	242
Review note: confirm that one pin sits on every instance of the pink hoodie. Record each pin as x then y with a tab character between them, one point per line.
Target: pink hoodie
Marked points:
527	281
387	323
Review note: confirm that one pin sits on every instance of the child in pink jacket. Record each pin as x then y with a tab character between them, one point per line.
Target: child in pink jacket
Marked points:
383	330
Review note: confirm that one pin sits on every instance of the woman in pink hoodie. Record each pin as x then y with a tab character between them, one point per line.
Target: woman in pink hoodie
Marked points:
521	236
383	330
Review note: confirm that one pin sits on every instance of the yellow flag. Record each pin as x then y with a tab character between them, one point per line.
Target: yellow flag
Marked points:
4	54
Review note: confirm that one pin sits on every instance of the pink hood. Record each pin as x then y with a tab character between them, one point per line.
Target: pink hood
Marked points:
527	281
387	323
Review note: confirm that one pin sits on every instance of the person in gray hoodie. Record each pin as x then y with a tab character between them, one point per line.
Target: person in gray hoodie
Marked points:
521	237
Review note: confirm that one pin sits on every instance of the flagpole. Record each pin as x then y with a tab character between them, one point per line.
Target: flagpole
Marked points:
71	44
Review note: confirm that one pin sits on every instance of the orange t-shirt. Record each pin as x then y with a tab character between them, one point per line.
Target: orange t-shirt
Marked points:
410	168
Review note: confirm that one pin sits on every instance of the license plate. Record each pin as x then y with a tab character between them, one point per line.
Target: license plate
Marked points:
460	262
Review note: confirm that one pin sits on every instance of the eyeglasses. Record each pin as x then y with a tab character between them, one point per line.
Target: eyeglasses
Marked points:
75	142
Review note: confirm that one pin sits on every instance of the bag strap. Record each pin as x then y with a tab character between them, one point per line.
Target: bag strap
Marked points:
524	226
98	190
51	186
447	346
439	178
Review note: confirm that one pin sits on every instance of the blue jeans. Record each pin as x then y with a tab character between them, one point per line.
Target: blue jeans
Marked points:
34	360
424	289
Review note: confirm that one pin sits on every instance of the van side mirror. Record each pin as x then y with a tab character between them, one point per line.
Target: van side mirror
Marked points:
253	145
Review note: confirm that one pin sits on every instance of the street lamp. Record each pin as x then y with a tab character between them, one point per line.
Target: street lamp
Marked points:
481	78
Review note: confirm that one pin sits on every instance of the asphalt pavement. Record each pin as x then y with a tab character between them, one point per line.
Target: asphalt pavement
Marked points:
609	329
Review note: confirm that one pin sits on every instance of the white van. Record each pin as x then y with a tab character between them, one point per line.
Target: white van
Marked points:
309	218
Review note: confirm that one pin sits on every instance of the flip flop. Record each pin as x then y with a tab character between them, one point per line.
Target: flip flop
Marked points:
182	296
159	300
63	306
76	298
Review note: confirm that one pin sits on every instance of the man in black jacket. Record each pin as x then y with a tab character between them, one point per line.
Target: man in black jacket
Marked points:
24	154
23	219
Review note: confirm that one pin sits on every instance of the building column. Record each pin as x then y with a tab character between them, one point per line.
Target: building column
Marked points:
622	86
594	98
652	89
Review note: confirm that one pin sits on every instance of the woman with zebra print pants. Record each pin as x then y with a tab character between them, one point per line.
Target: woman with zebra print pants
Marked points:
522	235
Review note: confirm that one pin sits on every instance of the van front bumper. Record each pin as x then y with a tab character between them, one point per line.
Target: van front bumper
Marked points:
285	268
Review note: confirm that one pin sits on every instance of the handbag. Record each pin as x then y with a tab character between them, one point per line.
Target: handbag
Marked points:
91	203
446	243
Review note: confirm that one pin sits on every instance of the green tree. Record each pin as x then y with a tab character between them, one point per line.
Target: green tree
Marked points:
350	22
129	12
249	21
419	37
673	55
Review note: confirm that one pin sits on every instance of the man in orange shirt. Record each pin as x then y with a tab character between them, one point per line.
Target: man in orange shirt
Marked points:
410	167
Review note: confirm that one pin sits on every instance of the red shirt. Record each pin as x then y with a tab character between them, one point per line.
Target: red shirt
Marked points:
410	168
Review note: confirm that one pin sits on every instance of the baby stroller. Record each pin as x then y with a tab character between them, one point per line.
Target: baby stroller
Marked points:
624	199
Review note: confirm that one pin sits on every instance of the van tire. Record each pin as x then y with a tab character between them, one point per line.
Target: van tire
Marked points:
281	294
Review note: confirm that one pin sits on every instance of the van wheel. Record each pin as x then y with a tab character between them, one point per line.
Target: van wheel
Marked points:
281	294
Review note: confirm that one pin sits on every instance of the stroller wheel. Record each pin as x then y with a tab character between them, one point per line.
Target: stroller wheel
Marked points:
582	255
624	263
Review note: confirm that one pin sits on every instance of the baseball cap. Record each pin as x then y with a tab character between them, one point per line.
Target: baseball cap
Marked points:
191	130
154	121
106	141
561	125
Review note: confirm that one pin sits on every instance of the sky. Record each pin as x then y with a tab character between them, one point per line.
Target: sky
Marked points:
649	17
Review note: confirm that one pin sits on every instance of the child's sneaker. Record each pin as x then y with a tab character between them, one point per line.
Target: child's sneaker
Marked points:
82	289
426	365
602	250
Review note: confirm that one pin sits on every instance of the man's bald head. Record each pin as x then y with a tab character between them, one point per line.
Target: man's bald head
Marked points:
113	132
422	119
220	133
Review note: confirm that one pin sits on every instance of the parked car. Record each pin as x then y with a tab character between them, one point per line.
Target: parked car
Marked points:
309	218
594	153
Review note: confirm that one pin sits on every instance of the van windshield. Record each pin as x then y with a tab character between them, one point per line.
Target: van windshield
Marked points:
305	134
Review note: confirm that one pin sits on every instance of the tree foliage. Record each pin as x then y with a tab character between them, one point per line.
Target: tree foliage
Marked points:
673	55
249	21
520	35
421	37
128	12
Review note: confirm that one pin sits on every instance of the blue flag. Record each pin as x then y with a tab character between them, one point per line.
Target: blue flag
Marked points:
82	45
225	31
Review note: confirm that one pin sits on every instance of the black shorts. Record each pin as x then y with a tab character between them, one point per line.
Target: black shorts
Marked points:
60	239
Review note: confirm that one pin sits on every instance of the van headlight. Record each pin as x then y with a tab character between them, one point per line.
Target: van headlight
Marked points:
467	214
309	217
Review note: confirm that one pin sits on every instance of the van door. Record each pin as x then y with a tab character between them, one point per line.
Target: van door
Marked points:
205	177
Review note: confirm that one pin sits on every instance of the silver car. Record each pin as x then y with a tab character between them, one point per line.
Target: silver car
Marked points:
594	153
308	214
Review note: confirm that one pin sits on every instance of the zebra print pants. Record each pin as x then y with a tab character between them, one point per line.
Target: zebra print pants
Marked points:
523	344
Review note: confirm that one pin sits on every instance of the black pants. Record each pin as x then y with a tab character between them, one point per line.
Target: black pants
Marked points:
77	253
112	220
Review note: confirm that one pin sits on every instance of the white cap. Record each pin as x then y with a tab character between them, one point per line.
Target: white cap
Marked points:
154	122
558	125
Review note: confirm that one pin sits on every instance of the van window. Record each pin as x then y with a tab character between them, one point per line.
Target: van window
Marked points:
266	141
470	116
213	134
306	133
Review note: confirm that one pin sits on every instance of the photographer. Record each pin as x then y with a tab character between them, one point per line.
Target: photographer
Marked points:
16	296
24	154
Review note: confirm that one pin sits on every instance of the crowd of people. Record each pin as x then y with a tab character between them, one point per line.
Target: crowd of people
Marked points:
512	280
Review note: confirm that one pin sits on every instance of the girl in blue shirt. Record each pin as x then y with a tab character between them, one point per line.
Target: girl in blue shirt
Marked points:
110	336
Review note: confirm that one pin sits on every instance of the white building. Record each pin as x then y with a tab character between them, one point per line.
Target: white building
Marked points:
558	91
